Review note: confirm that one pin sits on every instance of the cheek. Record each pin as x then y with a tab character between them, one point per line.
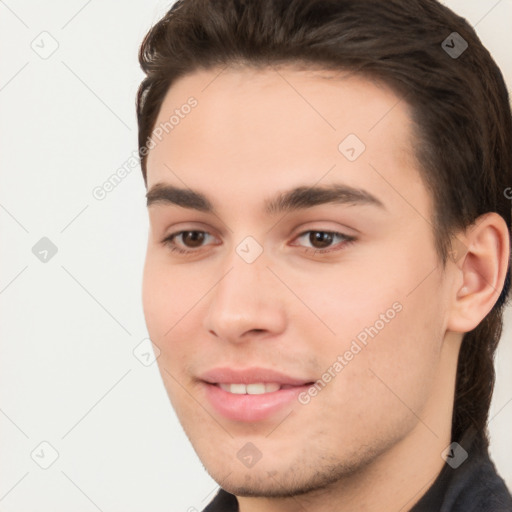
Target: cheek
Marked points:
382	288
381	385
157	298
168	294
164	305
348	298
388	333
173	303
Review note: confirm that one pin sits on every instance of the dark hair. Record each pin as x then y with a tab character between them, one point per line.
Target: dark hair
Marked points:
460	110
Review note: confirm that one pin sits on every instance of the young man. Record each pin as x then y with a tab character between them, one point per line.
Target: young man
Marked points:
329	248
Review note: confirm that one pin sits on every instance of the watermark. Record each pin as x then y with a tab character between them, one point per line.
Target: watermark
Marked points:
44	250
508	193
351	147
44	455
356	346
454	45
169	125
454	455
45	45
249	455
249	249
146	352
100	192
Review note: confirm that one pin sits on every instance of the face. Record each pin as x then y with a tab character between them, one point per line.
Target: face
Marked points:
298	302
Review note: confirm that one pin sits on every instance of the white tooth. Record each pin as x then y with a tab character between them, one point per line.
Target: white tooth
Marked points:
256	389
238	389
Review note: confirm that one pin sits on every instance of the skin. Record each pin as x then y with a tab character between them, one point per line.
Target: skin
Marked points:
382	423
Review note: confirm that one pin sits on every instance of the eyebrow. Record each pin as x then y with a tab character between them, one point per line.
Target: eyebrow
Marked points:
299	198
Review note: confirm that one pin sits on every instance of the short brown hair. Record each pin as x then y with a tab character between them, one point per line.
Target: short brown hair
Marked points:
460	109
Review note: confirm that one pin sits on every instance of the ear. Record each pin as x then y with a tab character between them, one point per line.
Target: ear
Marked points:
481	264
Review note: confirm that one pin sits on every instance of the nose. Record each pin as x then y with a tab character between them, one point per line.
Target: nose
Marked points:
246	303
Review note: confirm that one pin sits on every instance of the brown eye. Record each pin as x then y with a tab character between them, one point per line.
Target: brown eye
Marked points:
324	241
320	239
192	238
186	241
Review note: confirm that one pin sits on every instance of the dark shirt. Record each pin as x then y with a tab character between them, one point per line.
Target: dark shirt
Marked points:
474	486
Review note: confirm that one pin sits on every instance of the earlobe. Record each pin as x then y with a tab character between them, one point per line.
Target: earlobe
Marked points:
482	272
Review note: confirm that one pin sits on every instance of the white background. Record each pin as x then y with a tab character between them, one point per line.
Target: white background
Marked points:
68	375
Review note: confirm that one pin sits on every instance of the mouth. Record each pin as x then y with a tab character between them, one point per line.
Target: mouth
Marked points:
257	388
251	395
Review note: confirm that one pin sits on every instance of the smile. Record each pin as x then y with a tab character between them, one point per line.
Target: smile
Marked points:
258	388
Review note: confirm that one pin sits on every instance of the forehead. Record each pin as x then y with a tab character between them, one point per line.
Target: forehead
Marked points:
277	127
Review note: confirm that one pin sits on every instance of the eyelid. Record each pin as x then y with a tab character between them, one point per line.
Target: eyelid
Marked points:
327	226
347	239
184	227
169	239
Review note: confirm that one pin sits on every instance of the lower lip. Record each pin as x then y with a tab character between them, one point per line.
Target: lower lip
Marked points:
250	408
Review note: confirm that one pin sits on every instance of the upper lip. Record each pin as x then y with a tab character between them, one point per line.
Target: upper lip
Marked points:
250	376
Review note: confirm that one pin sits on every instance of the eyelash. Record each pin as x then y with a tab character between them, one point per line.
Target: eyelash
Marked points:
347	240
